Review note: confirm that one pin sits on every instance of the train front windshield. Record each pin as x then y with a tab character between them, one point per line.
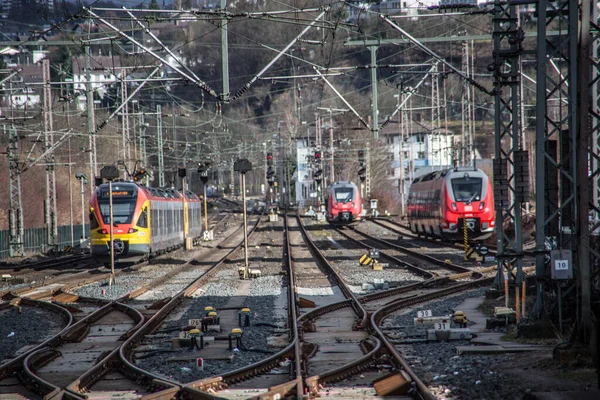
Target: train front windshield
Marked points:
466	189
123	205
343	195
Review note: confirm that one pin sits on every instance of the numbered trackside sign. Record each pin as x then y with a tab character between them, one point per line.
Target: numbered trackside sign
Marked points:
442	325
562	264
424	313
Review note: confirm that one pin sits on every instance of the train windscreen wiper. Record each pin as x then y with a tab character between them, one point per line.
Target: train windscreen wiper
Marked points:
472	198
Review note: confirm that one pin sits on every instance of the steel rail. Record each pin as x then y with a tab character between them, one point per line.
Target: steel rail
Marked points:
381	222
137	374
293	350
433	260
358	308
374	347
294	311
380	314
45	352
413	268
12	366
351	368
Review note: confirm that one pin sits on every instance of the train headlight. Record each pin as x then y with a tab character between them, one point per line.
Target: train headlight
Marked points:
454	207
481	205
103	231
132	230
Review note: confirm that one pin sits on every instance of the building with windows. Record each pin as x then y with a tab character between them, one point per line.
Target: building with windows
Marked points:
18	93
104	71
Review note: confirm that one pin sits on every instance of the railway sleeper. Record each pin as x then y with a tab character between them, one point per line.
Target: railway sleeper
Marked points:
309	350
78	334
309	326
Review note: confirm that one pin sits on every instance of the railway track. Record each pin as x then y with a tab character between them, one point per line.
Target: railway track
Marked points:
417	256
82	353
336	348
57	276
405	231
378	350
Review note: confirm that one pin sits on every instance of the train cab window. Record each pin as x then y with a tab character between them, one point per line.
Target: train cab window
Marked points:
143	219
122	210
343	194
466	189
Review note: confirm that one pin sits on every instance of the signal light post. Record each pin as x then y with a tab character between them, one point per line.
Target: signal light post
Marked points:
110	172
83	179
203	171
242	166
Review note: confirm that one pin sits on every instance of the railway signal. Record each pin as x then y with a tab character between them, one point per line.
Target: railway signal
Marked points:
269	158
139	175
318	174
361	158
110	173
362	174
203	172
318	156
270	174
242	166
83	179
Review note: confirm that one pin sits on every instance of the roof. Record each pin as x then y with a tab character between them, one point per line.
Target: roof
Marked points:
9	51
32	73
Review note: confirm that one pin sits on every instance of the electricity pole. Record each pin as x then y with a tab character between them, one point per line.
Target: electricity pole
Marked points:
159	138
374	94
50	217
91	124
224	53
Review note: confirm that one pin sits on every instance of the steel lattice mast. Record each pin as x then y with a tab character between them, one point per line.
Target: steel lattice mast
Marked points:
50	211
508	195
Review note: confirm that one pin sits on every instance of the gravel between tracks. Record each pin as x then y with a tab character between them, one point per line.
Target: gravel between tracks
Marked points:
449	376
265	301
32	326
266	298
360	278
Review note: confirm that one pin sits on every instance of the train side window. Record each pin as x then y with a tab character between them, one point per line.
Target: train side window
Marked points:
143	219
154	221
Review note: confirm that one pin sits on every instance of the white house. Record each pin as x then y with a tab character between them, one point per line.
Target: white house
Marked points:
104	71
22	96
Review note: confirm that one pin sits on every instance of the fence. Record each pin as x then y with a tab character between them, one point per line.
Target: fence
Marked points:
36	239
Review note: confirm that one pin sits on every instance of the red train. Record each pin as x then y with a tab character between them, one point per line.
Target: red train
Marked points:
441	201
344	204
146	220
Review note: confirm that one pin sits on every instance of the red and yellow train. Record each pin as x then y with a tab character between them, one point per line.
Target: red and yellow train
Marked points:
441	202
344	205
146	220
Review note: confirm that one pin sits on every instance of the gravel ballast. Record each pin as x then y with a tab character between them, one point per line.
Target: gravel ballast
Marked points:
448	375
267	314
32	326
